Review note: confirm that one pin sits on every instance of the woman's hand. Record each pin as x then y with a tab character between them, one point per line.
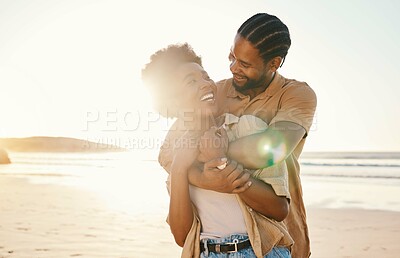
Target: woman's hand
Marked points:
213	144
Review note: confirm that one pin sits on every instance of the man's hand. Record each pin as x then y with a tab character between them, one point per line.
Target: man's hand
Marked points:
231	179
213	144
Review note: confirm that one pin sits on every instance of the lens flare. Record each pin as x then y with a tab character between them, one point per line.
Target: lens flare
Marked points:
273	151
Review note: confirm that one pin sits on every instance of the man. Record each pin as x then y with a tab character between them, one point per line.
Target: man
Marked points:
288	106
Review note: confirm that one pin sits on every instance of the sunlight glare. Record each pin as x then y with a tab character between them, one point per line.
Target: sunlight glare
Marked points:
130	185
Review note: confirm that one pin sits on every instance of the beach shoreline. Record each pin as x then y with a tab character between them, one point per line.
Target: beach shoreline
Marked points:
47	220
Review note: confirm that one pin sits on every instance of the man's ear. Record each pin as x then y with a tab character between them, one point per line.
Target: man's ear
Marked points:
274	63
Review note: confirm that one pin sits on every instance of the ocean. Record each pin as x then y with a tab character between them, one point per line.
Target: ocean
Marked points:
122	179
367	180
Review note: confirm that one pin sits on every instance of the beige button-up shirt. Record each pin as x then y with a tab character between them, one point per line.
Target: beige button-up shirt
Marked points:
283	100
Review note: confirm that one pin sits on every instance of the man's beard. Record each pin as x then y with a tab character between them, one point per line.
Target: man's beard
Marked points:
250	84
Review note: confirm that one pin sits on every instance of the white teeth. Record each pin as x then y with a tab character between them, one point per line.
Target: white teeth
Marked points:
207	97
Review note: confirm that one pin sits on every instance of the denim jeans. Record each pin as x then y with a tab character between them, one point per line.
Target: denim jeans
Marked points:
276	252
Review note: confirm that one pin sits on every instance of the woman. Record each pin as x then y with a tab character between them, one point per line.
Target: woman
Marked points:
208	223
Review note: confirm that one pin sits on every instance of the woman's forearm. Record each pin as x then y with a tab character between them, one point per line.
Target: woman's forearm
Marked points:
180	207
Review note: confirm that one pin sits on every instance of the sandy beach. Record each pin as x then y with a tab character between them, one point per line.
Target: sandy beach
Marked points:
46	220
354	233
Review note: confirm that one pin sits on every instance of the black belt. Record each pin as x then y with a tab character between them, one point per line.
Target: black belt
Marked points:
227	247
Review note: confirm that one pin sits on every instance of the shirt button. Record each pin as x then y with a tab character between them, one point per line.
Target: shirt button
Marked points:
250	209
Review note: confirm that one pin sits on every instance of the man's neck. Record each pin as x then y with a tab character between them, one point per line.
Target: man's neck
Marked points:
252	93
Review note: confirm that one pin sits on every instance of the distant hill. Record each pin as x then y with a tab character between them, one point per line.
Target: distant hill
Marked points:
54	144
4	159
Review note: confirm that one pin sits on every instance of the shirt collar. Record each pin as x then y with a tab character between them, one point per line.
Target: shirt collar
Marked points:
277	83
230	119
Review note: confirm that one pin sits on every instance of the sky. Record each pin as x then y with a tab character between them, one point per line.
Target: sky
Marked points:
72	67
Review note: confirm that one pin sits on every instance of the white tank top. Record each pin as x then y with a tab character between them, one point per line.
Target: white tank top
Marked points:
220	213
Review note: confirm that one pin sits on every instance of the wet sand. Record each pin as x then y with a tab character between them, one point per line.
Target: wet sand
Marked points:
47	220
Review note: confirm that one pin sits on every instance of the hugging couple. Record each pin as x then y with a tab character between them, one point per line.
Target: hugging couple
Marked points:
236	191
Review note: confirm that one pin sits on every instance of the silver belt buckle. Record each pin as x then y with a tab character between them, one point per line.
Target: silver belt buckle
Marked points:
235	242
